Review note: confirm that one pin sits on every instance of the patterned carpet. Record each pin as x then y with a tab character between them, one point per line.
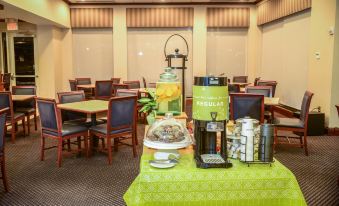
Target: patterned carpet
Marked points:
92	181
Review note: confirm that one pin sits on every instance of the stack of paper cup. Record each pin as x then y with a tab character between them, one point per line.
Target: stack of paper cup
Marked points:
247	140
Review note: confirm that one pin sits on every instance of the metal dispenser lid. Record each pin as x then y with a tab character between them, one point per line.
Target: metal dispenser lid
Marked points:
168	76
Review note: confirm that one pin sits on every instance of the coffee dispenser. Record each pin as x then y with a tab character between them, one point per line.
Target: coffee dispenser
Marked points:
210	114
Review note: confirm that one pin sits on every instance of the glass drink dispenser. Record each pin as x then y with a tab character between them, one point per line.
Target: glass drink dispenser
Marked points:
169	93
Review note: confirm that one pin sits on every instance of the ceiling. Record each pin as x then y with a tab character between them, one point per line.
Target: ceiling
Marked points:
157	1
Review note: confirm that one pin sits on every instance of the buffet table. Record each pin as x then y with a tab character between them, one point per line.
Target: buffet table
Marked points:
185	184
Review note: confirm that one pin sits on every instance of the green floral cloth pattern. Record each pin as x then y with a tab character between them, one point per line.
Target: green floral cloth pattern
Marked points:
187	185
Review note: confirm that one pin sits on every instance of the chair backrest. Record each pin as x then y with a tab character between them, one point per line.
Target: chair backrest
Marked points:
251	105
273	84
240	79
122	113
69	97
126	93
256	81
103	89
6	102
305	107
144	82
115	80
133	84
188	107
49	116
119	86
72	85
264	90
3	113
7	81
233	88
337	106
83	81
24	90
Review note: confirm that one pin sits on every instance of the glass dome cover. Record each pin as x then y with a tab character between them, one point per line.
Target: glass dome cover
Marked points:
167	133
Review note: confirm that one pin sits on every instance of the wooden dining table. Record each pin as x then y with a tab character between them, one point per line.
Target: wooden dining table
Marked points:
91	107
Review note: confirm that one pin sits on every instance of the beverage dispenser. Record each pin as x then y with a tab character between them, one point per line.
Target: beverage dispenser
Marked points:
210	115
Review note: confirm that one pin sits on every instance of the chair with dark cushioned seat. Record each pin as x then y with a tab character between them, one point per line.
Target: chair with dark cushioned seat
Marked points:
103	89
2	148
72	85
119	86
233	88
83	81
27	107
71	117
264	90
51	127
115	80
273	84
240	79
12	117
7	81
298	126
121	122
251	105
256	81
133	84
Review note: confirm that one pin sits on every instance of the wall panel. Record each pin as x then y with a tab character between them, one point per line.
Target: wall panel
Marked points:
159	17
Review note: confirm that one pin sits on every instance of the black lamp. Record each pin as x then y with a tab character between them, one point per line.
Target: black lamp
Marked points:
177	60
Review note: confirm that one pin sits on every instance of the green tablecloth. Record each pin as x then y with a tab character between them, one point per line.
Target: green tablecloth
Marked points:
187	185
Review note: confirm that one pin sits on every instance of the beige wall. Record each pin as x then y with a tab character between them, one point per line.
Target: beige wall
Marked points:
56	11
284	56
320	70
334	119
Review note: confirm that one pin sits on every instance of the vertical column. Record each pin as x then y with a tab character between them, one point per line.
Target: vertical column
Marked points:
120	42
254	42
199	41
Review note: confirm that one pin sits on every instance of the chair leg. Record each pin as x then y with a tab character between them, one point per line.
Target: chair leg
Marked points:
79	144
116	144
134	145
42	148
35	122
305	143
103	143
23	126
28	125
68	145
301	141
3	174
59	152
86	145
90	144
13	134
109	150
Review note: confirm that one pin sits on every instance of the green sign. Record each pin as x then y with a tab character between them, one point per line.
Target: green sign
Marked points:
207	99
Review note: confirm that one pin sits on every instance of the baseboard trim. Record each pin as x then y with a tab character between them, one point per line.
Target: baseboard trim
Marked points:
332	131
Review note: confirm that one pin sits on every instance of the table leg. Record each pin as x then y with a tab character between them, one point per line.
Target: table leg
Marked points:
94	123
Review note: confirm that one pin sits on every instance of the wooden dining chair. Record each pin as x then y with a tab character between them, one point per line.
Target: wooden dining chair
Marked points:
115	80
12	117
247	105
273	84
144	82
103	89
296	125
256	81
133	84
72	85
7	81
72	117
27	107
83	81
119	86
240	79
121	122
3	113
233	88
264	90
52	127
